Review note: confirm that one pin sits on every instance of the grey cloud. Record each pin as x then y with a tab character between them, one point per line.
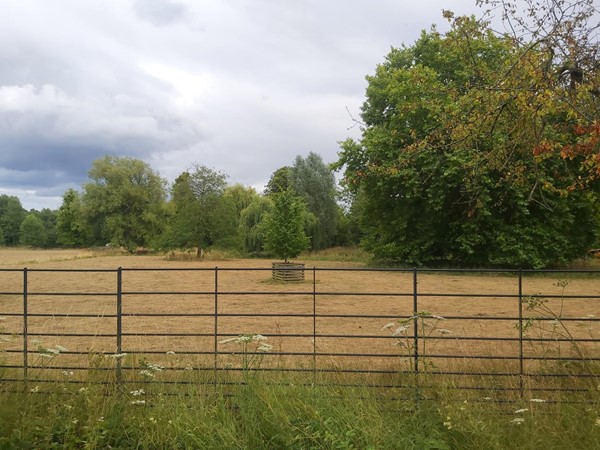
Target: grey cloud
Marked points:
160	12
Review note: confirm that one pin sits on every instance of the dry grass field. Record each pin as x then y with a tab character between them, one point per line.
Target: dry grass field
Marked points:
153	301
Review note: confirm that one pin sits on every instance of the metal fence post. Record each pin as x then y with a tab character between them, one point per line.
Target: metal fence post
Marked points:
314	326
521	369
216	335
25	328
119	373
415	322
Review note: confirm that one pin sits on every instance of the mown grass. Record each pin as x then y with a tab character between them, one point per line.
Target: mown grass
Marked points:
266	413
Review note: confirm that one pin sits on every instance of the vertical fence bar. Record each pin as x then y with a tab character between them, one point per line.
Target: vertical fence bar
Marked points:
119	372
521	369
415	322
216	335
314	326
25	328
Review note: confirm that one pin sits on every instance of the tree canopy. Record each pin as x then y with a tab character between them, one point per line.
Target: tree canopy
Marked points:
124	203
465	154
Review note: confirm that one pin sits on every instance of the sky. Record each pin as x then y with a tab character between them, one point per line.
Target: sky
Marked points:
241	86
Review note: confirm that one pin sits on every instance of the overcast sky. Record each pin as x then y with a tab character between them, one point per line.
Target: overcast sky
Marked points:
242	86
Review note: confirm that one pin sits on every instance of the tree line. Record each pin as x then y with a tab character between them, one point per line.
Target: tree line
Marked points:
128	204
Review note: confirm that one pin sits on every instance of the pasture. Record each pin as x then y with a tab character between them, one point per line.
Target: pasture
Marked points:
335	321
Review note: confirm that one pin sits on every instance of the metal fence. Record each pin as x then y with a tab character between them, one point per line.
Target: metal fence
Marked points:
509	330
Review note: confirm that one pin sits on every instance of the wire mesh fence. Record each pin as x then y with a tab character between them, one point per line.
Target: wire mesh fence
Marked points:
503	330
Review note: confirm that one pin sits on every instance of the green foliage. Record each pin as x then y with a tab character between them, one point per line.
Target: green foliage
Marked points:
450	168
32	231
284	227
251	224
280	181
203	216
314	182
124	203
70	224
11	216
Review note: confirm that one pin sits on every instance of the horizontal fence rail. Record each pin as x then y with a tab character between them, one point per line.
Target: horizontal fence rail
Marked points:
501	330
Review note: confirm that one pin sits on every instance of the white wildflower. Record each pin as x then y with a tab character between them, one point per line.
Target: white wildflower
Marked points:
487	398
437	317
242	339
225	341
152	420
263	348
74	422
387	326
137	392
101	419
154	367
188	368
520	411
60	348
35	389
54	351
46	355
448	425
138	402
258	338
537	400
83	390
170	352
116	356
35	342
67	373
146	373
399	330
517	421
598	422
444	331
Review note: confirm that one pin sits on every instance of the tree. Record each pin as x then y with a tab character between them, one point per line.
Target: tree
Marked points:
203	216
453	165
314	182
70	222
280	181
241	196
251	224
32	231
12	215
284	227
125	202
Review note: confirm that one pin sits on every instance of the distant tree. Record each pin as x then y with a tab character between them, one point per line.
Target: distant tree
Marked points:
125	201
241	196
32	231
251	223
280	181
12	215
1	238
314	182
284	227
49	219
202	215
71	227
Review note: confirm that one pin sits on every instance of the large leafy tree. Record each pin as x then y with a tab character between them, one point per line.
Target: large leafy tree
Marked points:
314	182
125	202
464	155
32	231
284	227
12	215
202	215
71	228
